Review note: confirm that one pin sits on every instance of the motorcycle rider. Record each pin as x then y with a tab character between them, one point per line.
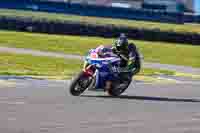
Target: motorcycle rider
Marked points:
128	54
130	62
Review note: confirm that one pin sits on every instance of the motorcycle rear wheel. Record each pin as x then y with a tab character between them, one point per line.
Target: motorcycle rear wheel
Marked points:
117	90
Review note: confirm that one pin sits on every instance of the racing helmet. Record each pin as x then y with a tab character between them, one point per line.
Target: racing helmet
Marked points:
121	42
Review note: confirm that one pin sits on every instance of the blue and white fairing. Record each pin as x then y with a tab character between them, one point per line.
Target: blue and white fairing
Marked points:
105	67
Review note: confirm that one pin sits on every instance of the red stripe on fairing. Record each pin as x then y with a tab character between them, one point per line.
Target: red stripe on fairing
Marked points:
88	72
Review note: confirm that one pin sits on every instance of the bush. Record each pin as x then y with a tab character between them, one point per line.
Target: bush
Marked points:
74	28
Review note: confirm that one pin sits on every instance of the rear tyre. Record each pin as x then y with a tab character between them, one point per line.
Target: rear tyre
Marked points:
118	89
79	84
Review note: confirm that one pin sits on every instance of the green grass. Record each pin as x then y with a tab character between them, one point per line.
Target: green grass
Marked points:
20	64
102	21
166	53
17	64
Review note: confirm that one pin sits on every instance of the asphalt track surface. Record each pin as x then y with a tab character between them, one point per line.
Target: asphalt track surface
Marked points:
43	106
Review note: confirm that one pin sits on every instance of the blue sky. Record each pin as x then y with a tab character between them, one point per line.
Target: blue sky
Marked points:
197	6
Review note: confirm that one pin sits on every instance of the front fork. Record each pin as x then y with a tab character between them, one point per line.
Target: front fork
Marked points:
87	68
85	65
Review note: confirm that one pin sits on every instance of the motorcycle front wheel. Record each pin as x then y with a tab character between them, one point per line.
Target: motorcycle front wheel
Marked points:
79	84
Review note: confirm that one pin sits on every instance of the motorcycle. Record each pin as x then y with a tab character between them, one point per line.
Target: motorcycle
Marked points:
99	70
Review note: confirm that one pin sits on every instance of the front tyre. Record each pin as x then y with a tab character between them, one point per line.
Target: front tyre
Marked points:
79	84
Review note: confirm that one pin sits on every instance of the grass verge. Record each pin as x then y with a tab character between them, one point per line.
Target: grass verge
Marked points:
101	21
28	65
166	53
18	64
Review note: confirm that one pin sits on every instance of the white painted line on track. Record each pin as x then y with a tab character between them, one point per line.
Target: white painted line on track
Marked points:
195	119
7	83
12	103
186	129
12	119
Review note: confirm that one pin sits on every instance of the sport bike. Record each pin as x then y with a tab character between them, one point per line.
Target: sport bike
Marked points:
98	70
